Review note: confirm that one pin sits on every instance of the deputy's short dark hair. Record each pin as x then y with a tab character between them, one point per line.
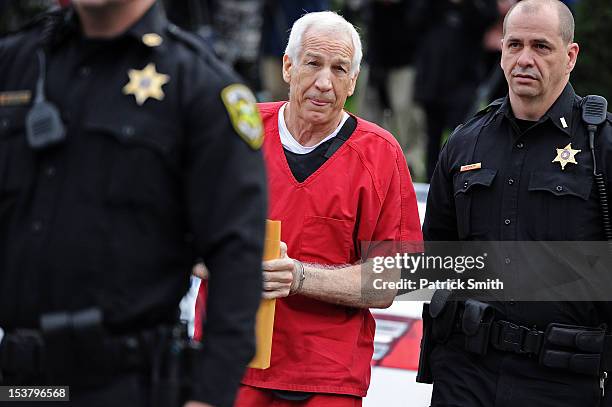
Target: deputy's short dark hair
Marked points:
566	19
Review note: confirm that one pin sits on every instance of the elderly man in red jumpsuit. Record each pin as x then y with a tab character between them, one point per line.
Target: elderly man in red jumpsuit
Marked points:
335	181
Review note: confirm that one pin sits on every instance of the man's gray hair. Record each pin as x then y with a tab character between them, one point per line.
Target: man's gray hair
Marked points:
326	20
566	19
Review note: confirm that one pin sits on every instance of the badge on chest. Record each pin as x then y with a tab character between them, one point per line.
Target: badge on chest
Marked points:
566	155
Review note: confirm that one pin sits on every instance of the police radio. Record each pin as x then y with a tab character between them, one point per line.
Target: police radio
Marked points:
44	126
594	111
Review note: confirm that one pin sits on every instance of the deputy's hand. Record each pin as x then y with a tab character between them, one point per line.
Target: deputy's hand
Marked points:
278	275
197	404
200	270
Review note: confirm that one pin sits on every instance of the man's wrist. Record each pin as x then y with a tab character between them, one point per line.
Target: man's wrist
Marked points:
299	275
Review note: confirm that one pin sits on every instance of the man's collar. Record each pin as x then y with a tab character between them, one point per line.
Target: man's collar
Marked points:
151	24
560	113
148	30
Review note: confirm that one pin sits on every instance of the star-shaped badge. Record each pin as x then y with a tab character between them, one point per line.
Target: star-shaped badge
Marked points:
146	83
566	155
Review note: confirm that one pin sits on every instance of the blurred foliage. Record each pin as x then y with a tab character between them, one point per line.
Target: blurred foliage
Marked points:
593	72
15	13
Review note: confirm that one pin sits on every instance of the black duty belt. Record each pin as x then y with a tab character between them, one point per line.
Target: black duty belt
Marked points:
76	348
23	353
580	349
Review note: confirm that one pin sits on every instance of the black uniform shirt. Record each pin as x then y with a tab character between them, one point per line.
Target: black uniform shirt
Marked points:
115	216
519	193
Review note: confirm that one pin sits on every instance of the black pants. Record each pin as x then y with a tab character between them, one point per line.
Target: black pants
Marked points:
501	379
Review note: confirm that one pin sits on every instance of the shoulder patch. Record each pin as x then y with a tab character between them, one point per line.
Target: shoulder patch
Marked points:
244	115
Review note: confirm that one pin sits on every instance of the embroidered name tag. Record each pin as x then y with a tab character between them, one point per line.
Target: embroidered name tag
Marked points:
15	98
470	167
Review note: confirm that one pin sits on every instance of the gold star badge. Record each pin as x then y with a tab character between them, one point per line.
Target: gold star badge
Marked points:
566	155
146	83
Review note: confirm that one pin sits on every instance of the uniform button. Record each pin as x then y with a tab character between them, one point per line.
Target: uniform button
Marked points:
465	184
512	302
50	171
36	226
520	144
510	181
507	260
507	221
128	131
85	71
559	188
4	123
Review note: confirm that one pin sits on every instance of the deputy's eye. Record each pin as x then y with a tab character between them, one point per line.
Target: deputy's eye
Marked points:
341	69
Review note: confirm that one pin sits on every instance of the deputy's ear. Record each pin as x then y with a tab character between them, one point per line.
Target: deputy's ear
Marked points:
572	53
287	65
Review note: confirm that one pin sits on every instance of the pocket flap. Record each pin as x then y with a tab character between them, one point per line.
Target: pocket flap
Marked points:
11	119
156	134
560	184
438	302
464	181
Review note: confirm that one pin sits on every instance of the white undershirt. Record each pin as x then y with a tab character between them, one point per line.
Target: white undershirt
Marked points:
291	144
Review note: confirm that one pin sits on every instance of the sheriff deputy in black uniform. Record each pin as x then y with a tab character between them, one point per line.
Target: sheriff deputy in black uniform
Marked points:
126	153
522	170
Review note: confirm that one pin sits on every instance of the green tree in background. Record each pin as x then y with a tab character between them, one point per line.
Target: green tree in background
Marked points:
593	72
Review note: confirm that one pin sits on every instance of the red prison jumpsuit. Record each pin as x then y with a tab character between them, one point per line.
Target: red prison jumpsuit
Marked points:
361	193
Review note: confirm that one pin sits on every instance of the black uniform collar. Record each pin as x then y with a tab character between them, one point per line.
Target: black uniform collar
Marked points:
562	108
153	21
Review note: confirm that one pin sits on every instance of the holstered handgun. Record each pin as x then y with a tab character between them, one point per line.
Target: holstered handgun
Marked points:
427	344
438	320
174	373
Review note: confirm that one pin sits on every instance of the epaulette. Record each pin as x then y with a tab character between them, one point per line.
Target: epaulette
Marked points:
493	105
487	109
201	48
